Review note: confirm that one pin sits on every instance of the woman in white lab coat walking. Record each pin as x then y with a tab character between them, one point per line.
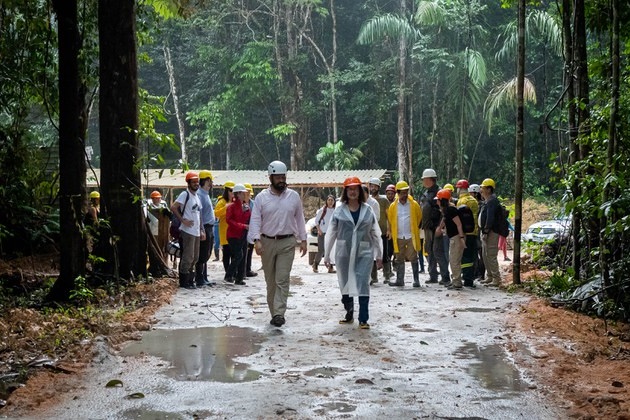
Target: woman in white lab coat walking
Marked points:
358	244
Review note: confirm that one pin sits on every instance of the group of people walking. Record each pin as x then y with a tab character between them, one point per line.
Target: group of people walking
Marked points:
197	218
270	226
358	235
460	233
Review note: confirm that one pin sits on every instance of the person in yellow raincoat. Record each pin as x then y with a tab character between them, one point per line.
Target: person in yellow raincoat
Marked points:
405	216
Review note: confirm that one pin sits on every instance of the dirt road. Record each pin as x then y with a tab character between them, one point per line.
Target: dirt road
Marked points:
431	353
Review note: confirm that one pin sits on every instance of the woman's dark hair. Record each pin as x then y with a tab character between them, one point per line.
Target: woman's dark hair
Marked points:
443	203
326	205
362	195
226	194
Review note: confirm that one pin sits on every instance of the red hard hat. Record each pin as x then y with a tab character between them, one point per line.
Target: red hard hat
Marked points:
352	181
191	175
391	187
462	183
444	194
156	194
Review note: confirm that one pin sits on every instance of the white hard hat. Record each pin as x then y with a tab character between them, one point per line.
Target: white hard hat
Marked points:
277	168
474	188
239	188
429	173
375	181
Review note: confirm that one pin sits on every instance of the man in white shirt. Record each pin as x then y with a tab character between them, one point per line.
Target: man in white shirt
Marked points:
404	216
187	208
277	221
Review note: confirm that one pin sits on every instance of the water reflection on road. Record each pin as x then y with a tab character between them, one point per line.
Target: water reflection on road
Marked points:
491	368
202	354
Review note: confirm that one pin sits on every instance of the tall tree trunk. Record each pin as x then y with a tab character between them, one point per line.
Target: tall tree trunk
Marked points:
608	252
574	155
228	151
292	19
330	71
120	174
72	164
178	115
434	121
583	113
520	140
403	148
332	66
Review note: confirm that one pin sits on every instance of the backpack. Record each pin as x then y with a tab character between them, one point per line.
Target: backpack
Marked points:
176	223
501	222
467	218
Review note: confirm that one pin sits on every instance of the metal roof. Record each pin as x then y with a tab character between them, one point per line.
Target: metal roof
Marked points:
165	178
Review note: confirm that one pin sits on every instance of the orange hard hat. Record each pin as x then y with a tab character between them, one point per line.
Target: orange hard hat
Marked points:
444	194
156	194
351	181
391	187
191	175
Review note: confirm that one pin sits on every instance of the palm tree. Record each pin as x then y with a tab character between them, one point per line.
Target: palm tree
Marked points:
334	157
461	66
391	26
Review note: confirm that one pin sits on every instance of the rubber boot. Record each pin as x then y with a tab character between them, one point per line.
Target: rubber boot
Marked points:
416	273
190	284
183	279
495	283
228	279
373	274
199	280
400	274
387	271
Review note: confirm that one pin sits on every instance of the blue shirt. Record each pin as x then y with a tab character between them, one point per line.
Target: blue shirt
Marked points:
207	212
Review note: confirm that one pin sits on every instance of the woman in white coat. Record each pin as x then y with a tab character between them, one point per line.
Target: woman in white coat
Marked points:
355	230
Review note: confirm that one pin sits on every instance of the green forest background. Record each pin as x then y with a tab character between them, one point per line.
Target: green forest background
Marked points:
320	84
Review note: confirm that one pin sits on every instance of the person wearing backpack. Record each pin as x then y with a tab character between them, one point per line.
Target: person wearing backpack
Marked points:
208	220
479	267
454	230
187	209
489	220
470	252
431	217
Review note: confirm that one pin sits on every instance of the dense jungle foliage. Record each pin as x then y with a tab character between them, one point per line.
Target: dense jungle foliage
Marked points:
401	85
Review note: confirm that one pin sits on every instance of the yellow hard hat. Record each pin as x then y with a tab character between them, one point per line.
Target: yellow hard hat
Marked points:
229	184
249	188
205	174
449	187
489	182
95	194
402	185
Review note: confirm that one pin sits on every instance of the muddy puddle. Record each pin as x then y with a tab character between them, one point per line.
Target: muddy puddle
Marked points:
324	372
491	368
202	354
